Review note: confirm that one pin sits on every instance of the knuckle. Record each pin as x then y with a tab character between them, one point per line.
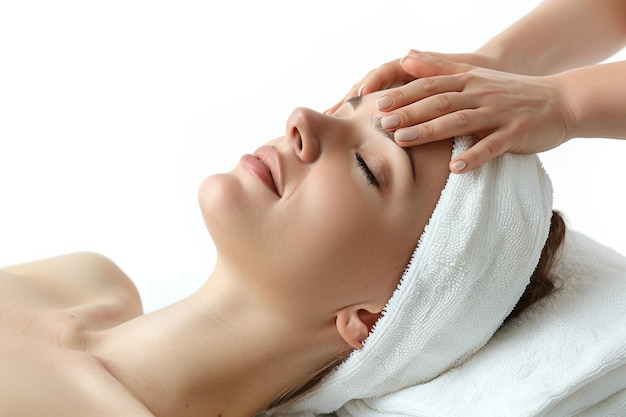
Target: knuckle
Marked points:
518	127
400	97
466	77
404	117
426	132
461	119
427	84
492	146
442	102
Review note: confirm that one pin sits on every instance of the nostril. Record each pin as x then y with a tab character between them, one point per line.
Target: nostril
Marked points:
299	142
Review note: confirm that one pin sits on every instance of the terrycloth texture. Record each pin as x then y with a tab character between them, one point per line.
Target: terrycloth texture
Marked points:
471	266
564	356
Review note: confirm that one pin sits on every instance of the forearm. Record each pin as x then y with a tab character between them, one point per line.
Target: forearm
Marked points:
595	99
559	35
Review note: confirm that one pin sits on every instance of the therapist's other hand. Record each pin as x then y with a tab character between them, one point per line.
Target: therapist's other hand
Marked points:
507	112
390	74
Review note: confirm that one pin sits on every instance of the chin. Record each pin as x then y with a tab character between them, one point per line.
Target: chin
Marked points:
230	209
232	214
217	195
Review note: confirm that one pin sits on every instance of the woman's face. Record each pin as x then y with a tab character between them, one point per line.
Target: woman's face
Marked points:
330	212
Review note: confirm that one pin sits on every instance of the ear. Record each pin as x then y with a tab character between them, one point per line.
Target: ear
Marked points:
355	323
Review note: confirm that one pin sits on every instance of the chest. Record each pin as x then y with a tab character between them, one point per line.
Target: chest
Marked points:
45	369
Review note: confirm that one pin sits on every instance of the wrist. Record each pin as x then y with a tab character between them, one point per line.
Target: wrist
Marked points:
594	99
568	103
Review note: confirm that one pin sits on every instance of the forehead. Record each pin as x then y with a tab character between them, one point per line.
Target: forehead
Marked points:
363	109
359	104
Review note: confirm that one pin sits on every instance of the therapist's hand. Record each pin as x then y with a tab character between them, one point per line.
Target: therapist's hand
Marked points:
507	112
390	74
394	74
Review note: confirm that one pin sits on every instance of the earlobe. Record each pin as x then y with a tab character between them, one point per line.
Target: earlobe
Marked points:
355	323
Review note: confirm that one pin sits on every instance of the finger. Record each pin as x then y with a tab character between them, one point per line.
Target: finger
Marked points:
356	90
418	90
482	151
457	123
385	76
459	58
437	108
465	58
422	65
353	92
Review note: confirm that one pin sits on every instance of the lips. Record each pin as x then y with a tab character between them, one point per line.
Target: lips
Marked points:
265	164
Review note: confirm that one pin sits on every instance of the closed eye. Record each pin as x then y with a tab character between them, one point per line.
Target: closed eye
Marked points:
367	173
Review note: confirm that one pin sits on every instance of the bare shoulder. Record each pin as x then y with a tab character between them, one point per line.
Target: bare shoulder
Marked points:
72	279
64	383
49	311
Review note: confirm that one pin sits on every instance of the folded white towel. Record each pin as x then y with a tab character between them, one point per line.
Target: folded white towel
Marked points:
473	261
565	356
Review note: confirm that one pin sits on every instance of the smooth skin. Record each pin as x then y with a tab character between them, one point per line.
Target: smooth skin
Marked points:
303	271
529	89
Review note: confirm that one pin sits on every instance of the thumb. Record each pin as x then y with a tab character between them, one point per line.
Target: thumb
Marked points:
422	65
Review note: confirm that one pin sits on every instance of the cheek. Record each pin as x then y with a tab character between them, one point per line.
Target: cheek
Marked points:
350	265
336	211
344	240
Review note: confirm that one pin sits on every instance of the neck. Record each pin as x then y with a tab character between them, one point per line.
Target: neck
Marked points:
221	351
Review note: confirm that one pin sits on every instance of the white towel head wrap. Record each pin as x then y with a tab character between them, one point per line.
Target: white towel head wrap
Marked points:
471	266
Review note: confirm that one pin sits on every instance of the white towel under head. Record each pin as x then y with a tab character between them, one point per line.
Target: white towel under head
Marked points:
473	261
564	356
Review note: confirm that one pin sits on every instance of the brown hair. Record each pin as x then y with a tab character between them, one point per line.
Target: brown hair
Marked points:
541	284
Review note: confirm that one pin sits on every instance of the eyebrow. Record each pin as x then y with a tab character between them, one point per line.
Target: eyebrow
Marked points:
355	102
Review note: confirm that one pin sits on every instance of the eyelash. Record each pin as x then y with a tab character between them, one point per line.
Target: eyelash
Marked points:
367	173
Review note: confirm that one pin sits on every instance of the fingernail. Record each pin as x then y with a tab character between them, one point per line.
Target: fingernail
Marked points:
423	57
360	90
407	57
459	165
404	135
384	102
389	122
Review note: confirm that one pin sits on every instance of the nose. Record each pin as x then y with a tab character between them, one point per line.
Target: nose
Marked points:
306	129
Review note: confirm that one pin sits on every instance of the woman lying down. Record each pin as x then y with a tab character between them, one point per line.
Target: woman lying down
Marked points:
347	267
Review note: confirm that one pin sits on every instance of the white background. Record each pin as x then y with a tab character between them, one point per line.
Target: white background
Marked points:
112	113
